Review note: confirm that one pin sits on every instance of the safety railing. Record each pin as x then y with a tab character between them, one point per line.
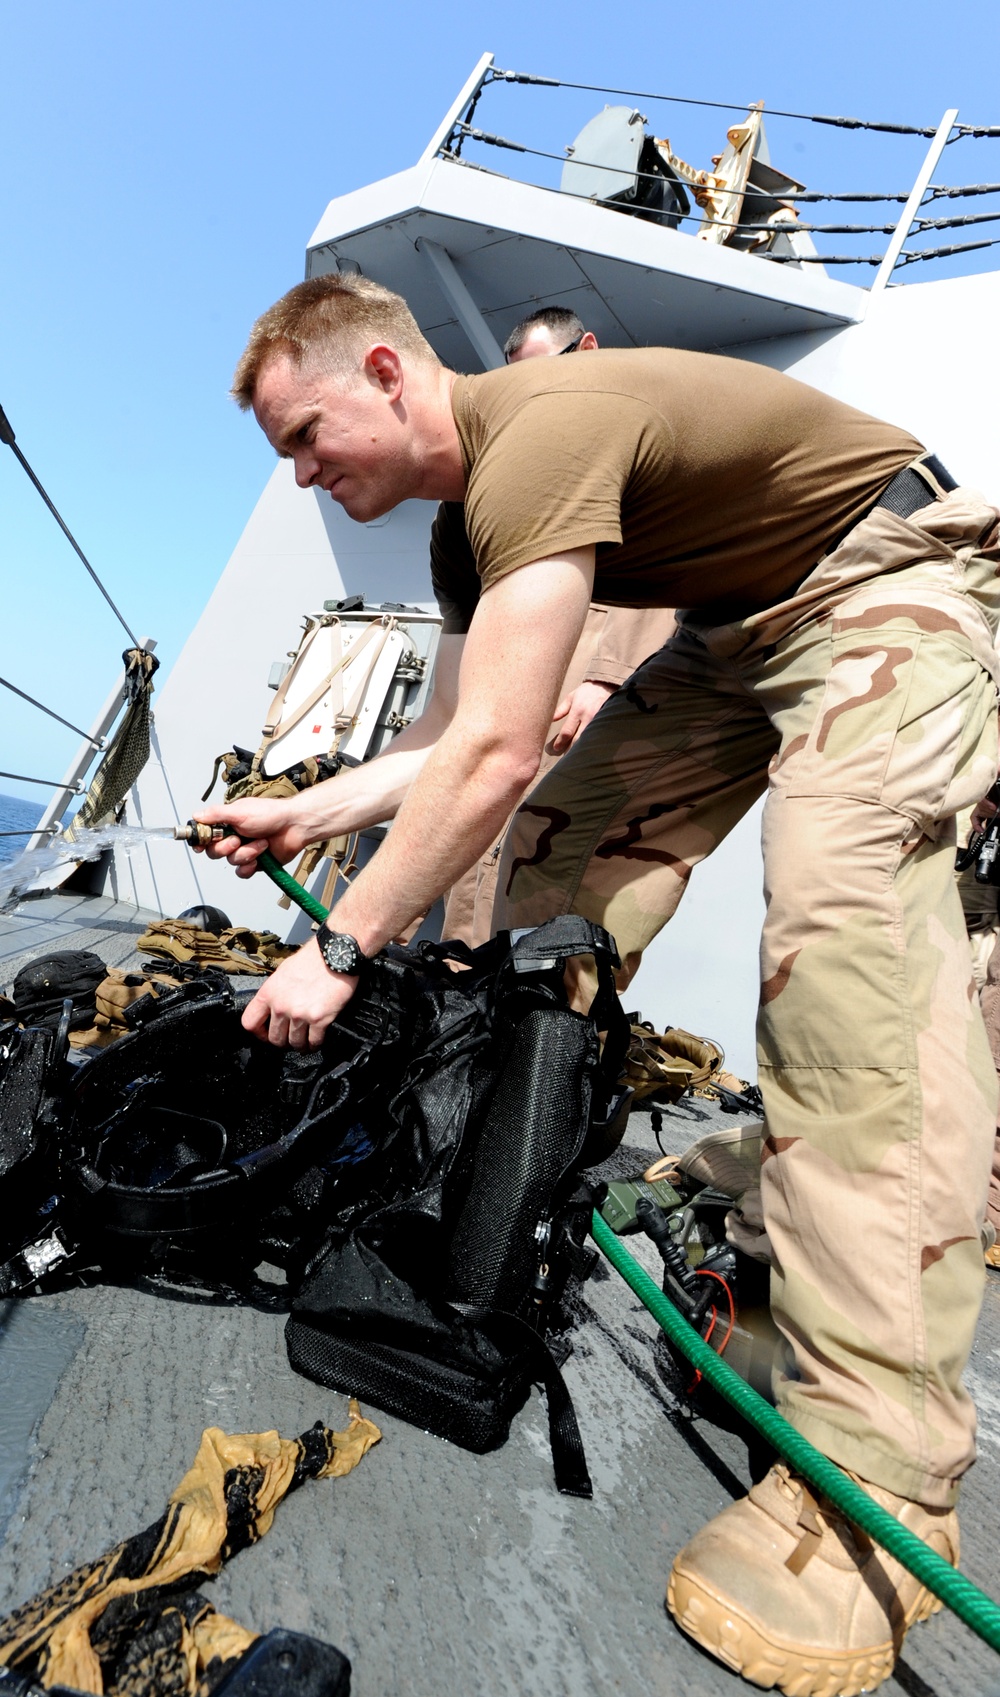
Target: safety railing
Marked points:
457	133
95	741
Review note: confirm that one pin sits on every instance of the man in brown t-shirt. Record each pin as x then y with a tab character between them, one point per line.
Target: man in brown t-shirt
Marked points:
836	649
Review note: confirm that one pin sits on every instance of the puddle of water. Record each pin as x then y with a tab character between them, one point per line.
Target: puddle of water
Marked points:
37	1344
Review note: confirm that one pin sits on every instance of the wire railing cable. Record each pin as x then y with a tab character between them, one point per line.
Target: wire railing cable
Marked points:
467	132
905	258
977	131
825	258
94	741
45	782
942	191
7	436
935	192
857	229
869	229
497	75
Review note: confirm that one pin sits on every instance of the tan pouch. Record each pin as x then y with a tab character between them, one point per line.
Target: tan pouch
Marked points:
669	1062
237	949
113	995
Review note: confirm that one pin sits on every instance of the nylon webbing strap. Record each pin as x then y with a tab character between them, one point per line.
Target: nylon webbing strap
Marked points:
273	719
349	713
569	1460
276	726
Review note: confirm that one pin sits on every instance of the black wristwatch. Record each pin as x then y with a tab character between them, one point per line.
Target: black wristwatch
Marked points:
340	952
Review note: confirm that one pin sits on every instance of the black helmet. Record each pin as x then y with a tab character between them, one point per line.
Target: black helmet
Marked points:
206	918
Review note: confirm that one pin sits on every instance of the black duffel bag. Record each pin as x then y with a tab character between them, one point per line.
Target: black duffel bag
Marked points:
431	1297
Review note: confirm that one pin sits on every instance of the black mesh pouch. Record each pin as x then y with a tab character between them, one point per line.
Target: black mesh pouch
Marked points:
421	1304
528	1145
361	1327
551	1072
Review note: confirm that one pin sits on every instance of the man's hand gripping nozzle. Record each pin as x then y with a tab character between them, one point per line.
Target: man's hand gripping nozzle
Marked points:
199	836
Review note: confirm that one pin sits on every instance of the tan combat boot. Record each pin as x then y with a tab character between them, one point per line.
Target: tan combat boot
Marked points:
783	1589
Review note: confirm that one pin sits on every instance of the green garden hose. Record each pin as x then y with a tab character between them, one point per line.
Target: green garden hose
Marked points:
960	1595
200	836
292	887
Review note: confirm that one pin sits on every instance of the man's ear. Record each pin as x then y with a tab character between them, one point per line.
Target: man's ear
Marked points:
384	369
587	341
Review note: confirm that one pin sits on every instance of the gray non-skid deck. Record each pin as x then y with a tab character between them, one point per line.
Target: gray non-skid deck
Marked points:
68	920
437	1571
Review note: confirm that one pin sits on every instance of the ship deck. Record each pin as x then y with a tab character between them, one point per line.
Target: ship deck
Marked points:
435	1570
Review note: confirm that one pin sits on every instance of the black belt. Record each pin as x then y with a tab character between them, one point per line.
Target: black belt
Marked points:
915	487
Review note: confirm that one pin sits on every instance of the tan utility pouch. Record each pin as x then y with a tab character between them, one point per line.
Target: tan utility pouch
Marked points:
669	1062
237	949
253	784
113	995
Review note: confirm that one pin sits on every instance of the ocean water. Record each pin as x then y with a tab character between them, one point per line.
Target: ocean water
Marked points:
17	815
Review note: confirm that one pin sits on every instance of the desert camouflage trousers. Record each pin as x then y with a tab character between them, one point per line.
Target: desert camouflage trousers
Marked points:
865	705
989	1002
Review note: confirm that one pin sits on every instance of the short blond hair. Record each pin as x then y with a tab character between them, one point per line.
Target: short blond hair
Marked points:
329	321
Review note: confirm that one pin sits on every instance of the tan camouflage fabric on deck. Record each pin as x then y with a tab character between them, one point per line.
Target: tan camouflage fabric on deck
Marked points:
131	1623
865	705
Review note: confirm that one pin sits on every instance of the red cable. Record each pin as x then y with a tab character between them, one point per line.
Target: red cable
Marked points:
707	1273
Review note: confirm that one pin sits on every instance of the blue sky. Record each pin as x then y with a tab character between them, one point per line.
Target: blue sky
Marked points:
165	165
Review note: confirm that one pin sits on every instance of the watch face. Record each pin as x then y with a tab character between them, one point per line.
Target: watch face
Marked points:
340	952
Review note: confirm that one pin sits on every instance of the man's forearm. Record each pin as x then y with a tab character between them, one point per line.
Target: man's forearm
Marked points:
365	795
507	680
454	811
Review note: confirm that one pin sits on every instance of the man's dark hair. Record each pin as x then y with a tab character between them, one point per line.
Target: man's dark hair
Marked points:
559	319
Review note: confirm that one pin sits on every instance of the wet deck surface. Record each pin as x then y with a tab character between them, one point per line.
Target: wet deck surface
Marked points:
435	1570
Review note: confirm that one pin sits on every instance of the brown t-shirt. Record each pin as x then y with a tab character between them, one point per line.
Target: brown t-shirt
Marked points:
703	481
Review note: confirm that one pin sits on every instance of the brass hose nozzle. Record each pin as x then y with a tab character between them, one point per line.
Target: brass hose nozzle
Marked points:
200	835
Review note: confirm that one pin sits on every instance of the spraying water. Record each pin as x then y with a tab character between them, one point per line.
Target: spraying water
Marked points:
87	845
20	874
